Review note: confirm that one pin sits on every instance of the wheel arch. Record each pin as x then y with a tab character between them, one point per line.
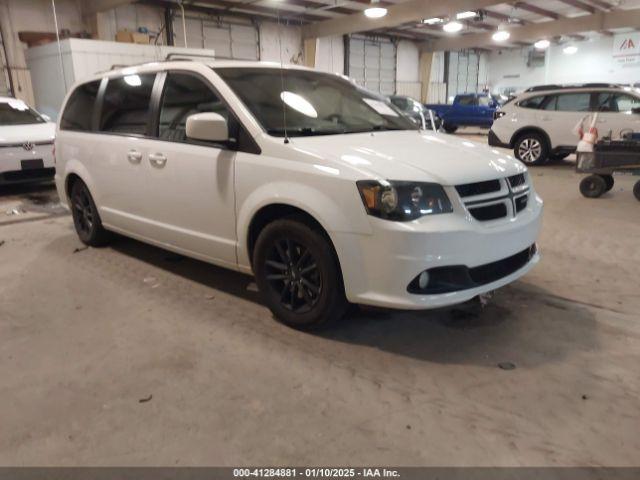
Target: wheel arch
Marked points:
276	211
530	129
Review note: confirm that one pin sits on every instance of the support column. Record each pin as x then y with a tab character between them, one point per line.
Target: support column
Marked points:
426	59
310	47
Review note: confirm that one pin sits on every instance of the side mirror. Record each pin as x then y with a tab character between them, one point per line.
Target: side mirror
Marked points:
208	126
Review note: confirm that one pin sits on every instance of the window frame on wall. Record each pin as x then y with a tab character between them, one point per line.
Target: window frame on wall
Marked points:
376	41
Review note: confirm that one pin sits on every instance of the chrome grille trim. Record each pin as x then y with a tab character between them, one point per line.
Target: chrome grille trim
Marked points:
508	200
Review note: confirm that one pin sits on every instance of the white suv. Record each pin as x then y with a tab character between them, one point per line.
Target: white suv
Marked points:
327	194
26	143
539	124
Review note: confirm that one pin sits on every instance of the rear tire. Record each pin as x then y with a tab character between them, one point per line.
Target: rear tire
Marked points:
86	218
298	275
593	186
450	128
608	179
531	149
558	157
636	190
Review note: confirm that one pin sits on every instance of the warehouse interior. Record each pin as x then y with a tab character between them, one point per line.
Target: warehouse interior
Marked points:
139	355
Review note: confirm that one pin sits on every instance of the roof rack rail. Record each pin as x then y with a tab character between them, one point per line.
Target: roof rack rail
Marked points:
186	56
539	88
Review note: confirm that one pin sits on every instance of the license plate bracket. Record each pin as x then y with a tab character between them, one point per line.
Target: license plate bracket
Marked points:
32	164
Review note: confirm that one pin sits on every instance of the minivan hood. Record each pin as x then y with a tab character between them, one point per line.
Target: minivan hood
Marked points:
413	155
32	132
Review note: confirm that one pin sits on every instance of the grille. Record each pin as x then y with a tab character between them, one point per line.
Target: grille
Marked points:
454	278
489	212
480	188
521	203
495	271
511	191
517	180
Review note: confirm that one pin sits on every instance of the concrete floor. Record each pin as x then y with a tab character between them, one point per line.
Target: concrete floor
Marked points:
89	334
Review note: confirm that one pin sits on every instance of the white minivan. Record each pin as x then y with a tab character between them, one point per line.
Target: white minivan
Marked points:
327	194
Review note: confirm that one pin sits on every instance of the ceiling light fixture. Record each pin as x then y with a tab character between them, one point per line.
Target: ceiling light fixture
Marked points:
467	14
542	44
570	49
433	21
501	36
375	11
452	27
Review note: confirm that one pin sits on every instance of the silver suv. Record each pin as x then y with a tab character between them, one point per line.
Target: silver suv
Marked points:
538	124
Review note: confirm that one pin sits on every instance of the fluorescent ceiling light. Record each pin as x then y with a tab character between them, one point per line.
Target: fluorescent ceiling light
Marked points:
133	80
542	44
468	14
432	21
375	12
452	27
501	35
570	49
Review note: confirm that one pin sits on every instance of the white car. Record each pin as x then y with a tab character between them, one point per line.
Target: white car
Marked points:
538	125
26	143
327	194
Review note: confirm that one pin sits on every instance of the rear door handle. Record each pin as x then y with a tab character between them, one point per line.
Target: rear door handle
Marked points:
134	157
157	160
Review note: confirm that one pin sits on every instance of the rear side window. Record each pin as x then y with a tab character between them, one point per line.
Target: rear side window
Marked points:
616	102
533	102
125	108
78	113
570	102
468	100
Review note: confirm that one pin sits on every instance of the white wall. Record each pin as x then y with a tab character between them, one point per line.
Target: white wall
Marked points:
330	54
273	35
594	62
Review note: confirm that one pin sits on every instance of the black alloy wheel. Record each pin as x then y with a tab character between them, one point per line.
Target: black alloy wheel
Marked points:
298	274
86	218
292	273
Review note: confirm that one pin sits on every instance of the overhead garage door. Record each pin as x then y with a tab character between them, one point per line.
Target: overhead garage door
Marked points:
372	63
464	68
229	40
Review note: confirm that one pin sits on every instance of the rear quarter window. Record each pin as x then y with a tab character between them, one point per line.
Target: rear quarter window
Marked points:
532	102
78	113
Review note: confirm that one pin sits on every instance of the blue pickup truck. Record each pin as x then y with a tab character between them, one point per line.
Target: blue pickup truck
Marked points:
467	110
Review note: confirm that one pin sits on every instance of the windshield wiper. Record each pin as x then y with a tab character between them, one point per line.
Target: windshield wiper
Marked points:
305	131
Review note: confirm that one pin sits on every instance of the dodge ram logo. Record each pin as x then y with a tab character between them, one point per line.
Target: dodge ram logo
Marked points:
28	146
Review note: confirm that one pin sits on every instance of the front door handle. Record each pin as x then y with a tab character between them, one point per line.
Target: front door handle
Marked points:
157	160
134	156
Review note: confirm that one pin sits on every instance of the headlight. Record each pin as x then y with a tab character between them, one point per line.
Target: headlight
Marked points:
403	201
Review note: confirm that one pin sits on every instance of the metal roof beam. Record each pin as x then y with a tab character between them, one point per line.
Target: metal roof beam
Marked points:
597	22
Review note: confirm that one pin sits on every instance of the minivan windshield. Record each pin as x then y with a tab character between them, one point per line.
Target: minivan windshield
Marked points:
311	103
18	113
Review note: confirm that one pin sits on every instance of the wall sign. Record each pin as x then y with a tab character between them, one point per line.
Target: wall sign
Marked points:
626	47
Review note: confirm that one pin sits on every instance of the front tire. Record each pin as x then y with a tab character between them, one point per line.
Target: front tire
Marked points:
636	190
86	218
298	275
450	128
531	149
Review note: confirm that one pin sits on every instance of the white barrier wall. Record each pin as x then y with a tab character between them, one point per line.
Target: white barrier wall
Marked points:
83	58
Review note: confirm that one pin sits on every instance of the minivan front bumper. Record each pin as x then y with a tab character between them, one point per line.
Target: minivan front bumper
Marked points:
379	269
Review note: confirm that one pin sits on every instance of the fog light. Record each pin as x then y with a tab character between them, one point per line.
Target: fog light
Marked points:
423	280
